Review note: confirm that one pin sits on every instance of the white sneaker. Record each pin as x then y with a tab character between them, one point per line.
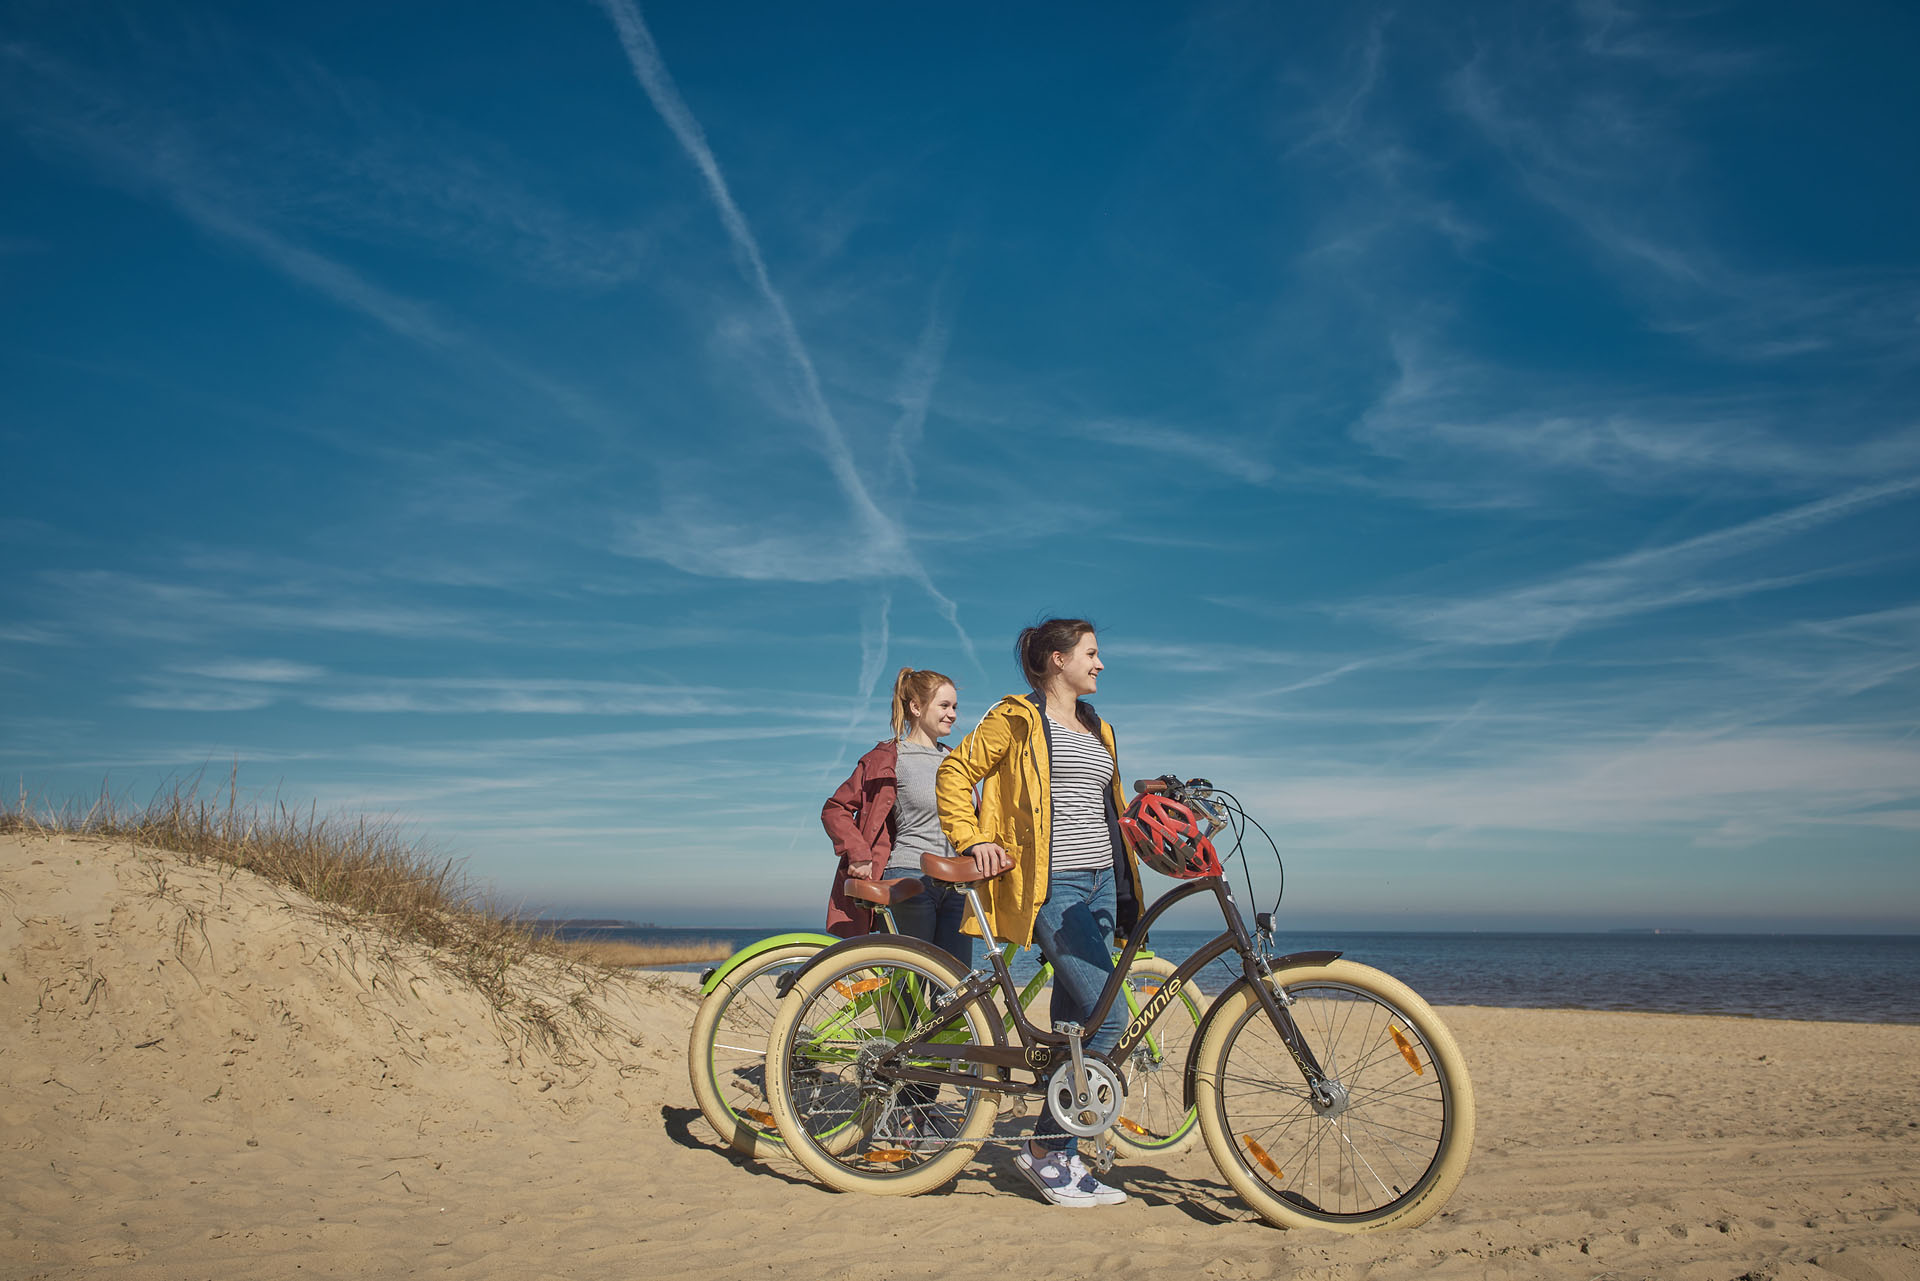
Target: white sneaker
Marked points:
1055	1178
1083	1181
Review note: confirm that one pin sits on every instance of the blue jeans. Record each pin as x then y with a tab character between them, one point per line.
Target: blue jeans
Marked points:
933	915
1074	929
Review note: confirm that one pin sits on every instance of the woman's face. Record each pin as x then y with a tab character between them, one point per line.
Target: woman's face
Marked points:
1080	666
936	717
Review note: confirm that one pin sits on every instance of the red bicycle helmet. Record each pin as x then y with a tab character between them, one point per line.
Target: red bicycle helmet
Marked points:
1165	836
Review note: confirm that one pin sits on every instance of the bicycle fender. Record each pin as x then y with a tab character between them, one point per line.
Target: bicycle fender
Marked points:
912	944
714	977
1220	1002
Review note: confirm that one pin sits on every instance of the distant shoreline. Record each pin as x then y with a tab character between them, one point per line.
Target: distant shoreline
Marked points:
1839	978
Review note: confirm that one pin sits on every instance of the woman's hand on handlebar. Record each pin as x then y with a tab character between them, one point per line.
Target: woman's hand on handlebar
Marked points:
990	859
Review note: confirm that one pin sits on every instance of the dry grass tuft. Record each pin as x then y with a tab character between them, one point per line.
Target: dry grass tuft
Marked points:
367	872
620	953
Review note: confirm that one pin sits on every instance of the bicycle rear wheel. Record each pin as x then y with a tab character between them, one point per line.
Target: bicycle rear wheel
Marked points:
1156	1119
727	1050
1391	1147
840	1111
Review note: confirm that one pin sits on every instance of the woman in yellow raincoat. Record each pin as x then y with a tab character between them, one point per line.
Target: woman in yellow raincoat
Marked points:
1047	835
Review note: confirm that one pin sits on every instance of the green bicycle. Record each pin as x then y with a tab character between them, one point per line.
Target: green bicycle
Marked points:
727	1049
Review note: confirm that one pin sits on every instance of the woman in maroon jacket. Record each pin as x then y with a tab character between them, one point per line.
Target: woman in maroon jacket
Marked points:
884	817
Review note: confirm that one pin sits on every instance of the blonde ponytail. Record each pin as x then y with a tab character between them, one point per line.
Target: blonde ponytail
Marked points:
911	687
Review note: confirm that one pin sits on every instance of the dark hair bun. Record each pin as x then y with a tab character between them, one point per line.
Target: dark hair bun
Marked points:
1042	641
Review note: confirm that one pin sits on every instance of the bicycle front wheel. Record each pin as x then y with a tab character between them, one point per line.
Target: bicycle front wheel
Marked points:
727	1051
1390	1146
1156	1120
840	1110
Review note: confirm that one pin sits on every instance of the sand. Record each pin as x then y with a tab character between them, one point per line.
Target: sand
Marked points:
204	1076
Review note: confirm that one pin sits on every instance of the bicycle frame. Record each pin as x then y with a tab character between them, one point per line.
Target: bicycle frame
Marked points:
1040	1051
863	1000
885	1060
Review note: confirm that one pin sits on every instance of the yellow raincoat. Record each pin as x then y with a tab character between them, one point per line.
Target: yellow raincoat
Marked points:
1007	756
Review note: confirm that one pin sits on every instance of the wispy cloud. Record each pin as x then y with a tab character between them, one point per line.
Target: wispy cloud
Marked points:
1201	656
1610	591
138	147
268	671
1451	416
1611	29
173	699
525	696
243	684
1389	186
511	751
702	535
875	633
888	539
130	605
1720	790
141	146
341	157
1212	451
1608	155
875	639
914	395
216	600
440	696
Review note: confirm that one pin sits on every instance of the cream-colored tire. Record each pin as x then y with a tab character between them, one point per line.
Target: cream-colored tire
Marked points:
1388	1155
727	1050
847	1124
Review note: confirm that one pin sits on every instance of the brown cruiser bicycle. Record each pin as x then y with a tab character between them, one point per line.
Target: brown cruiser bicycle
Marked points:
1329	1094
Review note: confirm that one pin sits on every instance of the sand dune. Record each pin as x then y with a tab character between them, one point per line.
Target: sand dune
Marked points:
206	1076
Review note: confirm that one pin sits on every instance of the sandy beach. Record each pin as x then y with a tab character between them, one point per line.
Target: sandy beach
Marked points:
207	1076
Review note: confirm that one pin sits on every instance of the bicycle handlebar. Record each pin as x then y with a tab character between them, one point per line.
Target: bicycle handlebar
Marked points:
1150	786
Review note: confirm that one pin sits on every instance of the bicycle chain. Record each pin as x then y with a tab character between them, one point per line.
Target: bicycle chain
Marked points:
1100	1156
929	1141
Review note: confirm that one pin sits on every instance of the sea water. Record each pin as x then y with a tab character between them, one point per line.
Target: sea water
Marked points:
1828	977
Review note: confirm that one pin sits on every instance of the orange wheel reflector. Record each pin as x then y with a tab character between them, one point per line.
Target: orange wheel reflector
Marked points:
1406	1050
1260	1154
864	986
755	1114
1130	1125
1148	989
887	1156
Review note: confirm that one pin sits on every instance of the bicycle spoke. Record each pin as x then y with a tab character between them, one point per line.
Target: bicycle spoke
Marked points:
859	1120
1377	1137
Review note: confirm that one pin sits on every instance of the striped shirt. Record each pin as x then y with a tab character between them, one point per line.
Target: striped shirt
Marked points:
1081	773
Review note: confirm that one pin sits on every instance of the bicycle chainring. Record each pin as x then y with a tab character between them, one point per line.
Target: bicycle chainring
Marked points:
1092	1115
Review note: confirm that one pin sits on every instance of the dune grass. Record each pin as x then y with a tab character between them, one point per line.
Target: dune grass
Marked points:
366	872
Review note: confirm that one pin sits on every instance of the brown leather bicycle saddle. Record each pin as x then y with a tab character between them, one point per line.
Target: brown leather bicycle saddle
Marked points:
954	871
884	893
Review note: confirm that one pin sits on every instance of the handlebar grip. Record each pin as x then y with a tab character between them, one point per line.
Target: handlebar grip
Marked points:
1150	786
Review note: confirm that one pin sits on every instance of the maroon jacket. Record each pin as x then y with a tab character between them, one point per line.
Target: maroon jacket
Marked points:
859	819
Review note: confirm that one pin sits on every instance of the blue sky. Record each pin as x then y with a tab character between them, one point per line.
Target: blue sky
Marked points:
1484	434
